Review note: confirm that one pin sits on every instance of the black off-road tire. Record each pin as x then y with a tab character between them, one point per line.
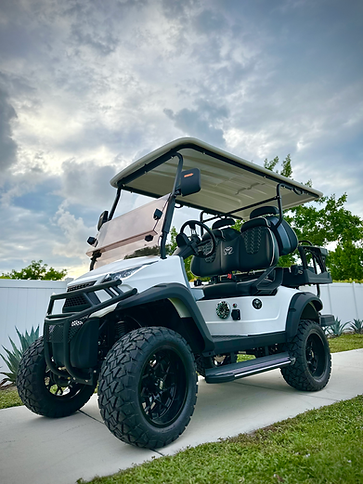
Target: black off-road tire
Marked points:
42	392
148	387
310	348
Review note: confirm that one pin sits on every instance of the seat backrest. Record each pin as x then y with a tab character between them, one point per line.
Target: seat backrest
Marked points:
213	264
259	248
254	248
285	235
223	222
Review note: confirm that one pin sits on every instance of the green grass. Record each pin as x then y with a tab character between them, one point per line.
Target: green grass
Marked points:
346	342
9	397
319	446
244	357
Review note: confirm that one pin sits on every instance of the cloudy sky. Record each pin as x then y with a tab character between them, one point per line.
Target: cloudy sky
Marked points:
87	87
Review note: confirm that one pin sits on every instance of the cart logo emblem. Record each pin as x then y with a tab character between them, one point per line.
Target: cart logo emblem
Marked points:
223	309
228	250
257	303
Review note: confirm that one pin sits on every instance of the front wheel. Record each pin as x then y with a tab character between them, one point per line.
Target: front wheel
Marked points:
310	348
147	387
45	393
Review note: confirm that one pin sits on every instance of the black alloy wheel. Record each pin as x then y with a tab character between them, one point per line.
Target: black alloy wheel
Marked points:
310	349
148	387
162	388
315	355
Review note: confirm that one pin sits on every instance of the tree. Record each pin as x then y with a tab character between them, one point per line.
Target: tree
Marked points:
346	262
332	222
173	245
286	166
325	221
36	270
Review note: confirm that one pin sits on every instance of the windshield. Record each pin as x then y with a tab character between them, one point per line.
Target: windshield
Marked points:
133	234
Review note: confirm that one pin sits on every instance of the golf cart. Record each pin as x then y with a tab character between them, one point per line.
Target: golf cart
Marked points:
135	325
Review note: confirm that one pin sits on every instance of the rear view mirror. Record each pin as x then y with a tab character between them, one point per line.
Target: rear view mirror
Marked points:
103	218
190	182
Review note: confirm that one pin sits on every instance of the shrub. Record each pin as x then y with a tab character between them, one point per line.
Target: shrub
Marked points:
13	357
357	326
337	328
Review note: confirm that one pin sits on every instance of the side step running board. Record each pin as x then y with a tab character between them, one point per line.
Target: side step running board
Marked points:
222	374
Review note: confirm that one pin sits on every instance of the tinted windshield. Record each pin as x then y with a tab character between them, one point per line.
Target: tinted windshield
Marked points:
133	234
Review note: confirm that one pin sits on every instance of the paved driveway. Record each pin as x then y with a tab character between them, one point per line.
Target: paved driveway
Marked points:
39	450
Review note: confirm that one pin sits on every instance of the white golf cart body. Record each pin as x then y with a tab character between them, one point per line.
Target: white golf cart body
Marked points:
228	182
135	325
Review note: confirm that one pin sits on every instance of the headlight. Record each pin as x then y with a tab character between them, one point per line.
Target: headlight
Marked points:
122	274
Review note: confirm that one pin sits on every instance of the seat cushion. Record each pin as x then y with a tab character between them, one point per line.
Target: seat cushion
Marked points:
235	289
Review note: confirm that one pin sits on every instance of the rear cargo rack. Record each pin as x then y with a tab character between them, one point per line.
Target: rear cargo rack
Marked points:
305	274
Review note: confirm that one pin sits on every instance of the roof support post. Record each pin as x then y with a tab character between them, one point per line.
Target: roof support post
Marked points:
170	208
112	211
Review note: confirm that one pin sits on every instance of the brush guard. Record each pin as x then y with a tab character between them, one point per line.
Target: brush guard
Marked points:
71	339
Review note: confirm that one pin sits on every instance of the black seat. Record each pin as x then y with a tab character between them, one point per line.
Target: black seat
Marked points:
285	236
263	239
255	248
223	222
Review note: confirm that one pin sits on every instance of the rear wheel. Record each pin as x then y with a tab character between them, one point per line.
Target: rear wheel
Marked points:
310	348
45	393
147	387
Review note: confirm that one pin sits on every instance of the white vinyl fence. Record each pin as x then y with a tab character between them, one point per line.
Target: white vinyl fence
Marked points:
343	300
23	305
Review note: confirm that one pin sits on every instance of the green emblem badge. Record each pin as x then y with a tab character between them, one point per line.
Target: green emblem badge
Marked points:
223	309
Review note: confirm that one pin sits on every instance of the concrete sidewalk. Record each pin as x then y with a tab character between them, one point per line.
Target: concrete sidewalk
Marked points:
39	450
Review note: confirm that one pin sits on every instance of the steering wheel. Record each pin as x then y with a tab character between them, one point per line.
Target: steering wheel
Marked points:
195	241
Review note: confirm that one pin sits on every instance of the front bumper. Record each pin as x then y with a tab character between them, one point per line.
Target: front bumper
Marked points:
71	338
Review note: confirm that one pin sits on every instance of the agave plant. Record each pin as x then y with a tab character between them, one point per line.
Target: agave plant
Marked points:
357	326
13	357
337	328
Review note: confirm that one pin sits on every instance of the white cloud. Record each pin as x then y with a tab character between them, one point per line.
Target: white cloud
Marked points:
88	87
74	234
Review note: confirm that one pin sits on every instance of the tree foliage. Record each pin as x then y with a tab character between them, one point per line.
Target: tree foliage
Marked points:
36	270
286	166
327	221
346	262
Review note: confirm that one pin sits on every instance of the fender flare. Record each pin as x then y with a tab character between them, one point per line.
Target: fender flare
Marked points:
303	305
180	298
